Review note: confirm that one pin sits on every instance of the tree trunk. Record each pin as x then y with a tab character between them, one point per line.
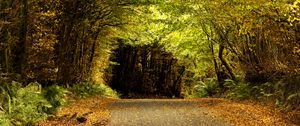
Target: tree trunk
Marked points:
66	46
21	48
214	58
224	62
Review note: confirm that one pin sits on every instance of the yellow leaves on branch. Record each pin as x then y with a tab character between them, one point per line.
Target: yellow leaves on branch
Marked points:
47	14
294	12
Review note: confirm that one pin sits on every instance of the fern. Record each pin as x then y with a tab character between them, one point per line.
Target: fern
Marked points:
29	104
239	90
22	106
55	95
206	88
293	101
293	96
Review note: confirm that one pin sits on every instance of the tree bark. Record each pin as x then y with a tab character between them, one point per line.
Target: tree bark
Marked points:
65	48
21	48
224	62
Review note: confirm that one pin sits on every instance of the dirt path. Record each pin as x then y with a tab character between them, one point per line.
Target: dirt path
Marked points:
161	112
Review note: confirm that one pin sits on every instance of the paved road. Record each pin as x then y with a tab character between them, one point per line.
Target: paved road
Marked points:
160	112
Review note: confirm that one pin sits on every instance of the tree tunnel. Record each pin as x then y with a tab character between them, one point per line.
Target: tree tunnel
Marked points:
145	70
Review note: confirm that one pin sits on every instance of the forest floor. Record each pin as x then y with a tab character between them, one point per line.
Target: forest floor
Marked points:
101	111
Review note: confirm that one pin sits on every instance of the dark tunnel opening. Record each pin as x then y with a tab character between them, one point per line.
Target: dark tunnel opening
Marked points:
145	71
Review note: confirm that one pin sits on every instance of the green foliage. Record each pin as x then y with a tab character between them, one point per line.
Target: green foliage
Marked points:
239	90
242	90
292	101
22	105
206	88
270	91
264	90
11	89
89	89
55	95
27	105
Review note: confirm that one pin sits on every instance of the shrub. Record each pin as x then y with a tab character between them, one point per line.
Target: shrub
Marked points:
206	88
239	90
22	106
28	105
89	89
55	95
243	90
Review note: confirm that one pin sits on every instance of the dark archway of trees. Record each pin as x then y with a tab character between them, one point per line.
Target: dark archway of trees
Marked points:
146	70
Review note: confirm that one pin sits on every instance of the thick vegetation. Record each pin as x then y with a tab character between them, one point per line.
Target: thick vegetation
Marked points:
27	105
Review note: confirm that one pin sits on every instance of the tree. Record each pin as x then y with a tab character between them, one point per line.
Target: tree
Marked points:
80	25
252	31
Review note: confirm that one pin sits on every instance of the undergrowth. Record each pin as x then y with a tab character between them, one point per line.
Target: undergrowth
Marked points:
27	105
206	88
22	105
56	96
86	89
279	92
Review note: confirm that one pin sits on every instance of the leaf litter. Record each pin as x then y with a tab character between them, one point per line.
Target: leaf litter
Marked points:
82	112
239	113
246	113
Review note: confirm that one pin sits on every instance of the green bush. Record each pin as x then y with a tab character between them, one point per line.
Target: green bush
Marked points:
234	89
10	89
89	89
243	90
239	90
28	105
264	90
55	95
206	88
22	106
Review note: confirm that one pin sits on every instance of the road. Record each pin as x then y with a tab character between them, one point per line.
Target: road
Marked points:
161	112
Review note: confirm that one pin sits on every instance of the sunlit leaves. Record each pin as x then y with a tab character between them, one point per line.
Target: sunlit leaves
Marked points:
174	26
257	31
294	12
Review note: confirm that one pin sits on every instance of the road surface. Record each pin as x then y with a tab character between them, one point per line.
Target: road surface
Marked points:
161	112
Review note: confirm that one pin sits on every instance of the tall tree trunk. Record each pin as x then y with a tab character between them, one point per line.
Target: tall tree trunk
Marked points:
66	46
21	48
8	55
4	45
